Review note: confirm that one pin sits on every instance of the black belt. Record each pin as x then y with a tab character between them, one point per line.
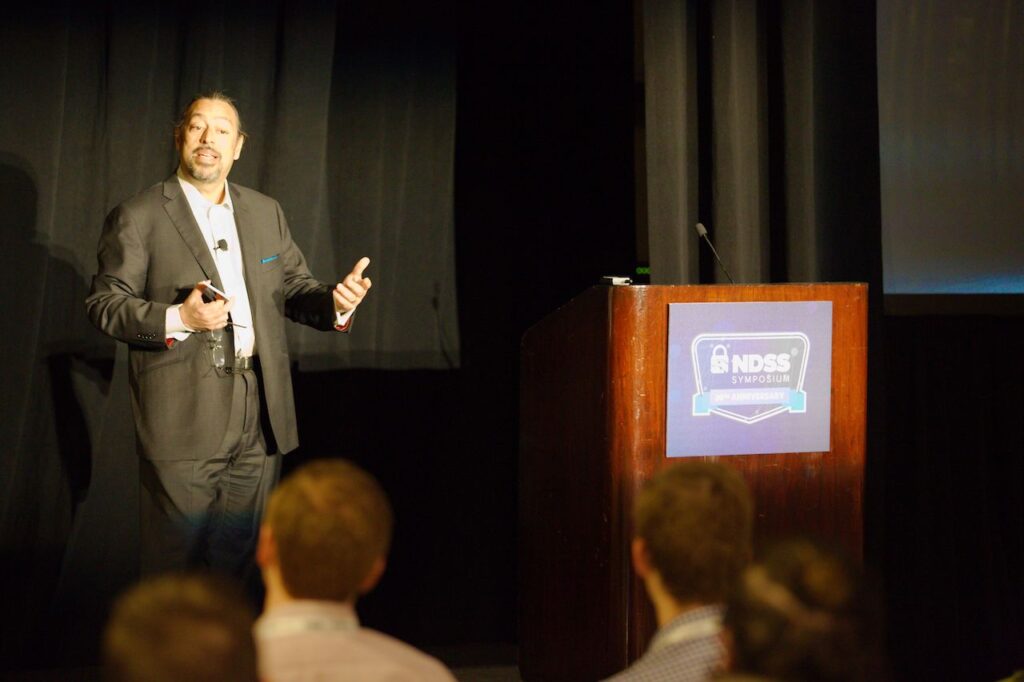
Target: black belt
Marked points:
242	364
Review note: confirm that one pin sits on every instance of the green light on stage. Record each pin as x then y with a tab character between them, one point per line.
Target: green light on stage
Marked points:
643	270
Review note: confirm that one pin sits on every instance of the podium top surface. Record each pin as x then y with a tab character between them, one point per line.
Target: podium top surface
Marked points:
640	299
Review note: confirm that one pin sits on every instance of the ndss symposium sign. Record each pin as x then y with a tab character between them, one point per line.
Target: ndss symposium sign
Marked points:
748	378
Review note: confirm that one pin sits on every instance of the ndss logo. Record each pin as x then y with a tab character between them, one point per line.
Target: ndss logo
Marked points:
749	377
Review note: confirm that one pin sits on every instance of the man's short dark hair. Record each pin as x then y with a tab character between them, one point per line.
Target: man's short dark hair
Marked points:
180	627
696	519
331	521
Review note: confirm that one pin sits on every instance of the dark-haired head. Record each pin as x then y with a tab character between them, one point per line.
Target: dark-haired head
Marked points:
803	613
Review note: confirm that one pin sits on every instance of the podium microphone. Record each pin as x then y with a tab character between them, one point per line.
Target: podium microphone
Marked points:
703	232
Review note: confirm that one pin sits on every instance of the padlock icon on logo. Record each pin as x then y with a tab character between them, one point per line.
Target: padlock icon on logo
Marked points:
719	360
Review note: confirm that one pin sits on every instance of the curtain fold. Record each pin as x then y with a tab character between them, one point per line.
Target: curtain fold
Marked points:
769	109
794	193
670	122
739	141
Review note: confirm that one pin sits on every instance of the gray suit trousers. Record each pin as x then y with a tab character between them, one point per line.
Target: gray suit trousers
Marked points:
206	512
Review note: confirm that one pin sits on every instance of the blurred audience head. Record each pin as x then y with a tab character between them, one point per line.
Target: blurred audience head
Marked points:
326	533
692	528
180	627
803	614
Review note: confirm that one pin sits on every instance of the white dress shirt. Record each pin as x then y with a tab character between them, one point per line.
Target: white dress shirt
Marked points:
216	223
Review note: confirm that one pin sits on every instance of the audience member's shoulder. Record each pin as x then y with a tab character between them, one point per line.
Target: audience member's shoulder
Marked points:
680	664
406	658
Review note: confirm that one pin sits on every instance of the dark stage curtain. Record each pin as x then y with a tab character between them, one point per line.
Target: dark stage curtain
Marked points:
350	108
761	121
954	517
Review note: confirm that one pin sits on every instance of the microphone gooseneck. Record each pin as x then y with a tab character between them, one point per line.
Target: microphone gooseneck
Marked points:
703	232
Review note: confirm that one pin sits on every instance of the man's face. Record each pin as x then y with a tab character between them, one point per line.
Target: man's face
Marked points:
210	142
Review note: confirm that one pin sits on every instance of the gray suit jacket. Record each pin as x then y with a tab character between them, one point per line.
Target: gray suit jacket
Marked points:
151	254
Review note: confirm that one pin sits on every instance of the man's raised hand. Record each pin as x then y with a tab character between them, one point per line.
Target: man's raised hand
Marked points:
350	291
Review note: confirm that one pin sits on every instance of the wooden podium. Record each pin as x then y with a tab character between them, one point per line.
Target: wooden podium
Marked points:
592	429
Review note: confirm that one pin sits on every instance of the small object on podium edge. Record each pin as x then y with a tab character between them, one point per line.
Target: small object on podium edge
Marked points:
616	281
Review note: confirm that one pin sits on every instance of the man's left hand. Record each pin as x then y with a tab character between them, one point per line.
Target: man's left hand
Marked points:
350	291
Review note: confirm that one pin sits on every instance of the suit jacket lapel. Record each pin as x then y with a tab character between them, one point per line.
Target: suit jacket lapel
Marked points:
249	241
180	214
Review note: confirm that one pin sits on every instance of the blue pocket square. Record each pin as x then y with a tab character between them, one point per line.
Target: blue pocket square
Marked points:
264	261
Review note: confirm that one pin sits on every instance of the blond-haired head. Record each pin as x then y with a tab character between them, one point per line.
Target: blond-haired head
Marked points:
180	627
330	526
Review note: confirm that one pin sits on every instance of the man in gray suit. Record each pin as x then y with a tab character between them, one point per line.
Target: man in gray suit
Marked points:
197	276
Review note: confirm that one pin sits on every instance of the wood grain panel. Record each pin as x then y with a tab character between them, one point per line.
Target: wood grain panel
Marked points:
593	417
569	557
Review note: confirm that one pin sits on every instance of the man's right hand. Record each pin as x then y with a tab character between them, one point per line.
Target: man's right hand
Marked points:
201	316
